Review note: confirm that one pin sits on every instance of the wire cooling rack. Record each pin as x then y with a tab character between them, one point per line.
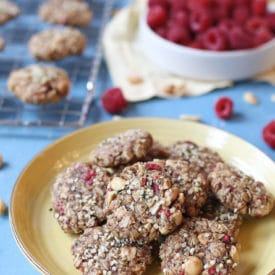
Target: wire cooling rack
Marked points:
83	70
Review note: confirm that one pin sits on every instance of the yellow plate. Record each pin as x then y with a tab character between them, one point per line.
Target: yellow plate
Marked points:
48	248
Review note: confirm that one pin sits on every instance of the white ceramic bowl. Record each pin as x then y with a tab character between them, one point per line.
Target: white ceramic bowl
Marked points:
204	64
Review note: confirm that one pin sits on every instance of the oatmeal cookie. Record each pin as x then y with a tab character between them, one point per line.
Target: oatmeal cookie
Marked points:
98	252
148	199
66	12
2	43
55	44
157	151
123	148
191	181
187	150
200	246
239	192
214	210
38	84
8	11
78	196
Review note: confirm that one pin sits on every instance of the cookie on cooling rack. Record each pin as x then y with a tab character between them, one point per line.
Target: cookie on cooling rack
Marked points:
55	44
200	246
39	84
8	11
98	251
66	12
2	43
78	196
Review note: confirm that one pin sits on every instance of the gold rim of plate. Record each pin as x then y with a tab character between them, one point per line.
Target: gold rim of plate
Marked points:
48	248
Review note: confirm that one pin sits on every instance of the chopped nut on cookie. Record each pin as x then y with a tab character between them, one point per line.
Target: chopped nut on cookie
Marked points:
186	252
98	251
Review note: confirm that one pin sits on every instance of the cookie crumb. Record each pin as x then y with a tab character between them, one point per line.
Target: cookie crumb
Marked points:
250	98
2	208
195	118
272	98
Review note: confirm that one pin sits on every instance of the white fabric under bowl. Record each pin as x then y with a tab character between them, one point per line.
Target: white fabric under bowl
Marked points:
203	64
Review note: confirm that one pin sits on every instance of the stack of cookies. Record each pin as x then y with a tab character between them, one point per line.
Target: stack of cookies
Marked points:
40	84
135	197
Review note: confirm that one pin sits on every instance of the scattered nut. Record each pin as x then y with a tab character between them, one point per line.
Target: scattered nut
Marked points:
190	117
117	183
135	79
116	118
250	98
2	208
169	89
1	161
2	43
272	98
193	266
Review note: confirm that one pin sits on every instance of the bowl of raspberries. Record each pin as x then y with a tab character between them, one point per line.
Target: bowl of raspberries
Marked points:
209	39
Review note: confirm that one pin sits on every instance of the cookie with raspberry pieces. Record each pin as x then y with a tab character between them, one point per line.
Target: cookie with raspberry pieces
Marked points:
200	246
98	251
78	196
150	198
190	151
240	192
123	148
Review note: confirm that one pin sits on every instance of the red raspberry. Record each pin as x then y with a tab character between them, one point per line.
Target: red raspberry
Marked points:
224	107
161	31
220	13
163	3
181	18
241	14
270	18
269	134
200	20
178	34
213	39
242	2
200	4
259	7
262	36
196	44
255	23
226	26
113	100
239	39
156	16
178	4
